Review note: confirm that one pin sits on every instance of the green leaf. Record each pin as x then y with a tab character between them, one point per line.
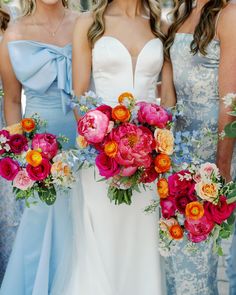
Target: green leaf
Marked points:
230	130
48	195
231	219
220	251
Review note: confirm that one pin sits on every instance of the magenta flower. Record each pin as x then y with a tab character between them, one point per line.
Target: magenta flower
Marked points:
40	172
182	201
93	126
168	207
47	144
105	109
107	166
9	168
152	114
198	230
180	185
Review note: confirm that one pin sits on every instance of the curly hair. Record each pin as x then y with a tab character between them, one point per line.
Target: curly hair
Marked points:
29	6
97	29
205	30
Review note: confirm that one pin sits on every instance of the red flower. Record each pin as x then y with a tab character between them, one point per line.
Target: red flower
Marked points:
18	143
180	186
9	168
107	166
182	201
168	207
40	172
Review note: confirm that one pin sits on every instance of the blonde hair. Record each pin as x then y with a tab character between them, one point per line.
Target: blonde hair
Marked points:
29	6
97	29
205	30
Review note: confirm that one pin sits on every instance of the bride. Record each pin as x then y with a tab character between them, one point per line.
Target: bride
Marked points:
120	46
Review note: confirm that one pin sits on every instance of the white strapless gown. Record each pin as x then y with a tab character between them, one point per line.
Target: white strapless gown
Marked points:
115	248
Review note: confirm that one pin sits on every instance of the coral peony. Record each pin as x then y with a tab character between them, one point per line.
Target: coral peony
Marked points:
40	172
47	144
28	125
121	113
93	126
220	212
9	168
22	180
165	141
198	230
18	144
162	163
107	166
152	114
162	188
168	207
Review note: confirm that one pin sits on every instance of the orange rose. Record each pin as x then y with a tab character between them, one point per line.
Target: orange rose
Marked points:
165	141
176	232
34	158
207	190
15	129
28	125
194	210
125	95
121	113
162	163
111	149
163	188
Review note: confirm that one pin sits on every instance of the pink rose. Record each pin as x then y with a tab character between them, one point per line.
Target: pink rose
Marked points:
135	145
168	207
149	175
220	212
182	201
22	181
9	168
179	185
18	143
152	114
93	126
107	166
105	109
198	230
46	143
40	172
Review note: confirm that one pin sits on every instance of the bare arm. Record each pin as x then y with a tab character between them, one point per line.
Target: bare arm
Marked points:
227	84
168	96
11	86
81	56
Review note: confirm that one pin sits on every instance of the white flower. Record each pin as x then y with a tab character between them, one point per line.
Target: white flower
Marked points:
229	99
3	139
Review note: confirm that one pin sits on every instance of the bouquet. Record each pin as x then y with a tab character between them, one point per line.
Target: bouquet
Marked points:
32	162
197	205
132	144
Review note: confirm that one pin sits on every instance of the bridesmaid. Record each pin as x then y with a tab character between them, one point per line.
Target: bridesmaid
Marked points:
201	54
10	210
37	58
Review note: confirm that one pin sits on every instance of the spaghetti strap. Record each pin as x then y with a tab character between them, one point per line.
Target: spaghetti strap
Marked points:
216	23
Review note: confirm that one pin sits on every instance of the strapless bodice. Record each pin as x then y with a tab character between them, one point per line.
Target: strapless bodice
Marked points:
113	71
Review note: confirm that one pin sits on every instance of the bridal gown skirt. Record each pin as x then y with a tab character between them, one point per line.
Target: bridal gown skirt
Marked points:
115	247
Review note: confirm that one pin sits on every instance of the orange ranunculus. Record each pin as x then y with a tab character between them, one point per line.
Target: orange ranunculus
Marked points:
34	158
194	210
162	163
176	232
125	95
121	113
111	148
162	188
28	124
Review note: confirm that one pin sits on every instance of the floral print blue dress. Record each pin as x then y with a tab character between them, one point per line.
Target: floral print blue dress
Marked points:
194	271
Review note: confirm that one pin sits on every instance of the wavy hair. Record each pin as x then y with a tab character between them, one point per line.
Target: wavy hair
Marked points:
4	19
29	6
97	29
205	30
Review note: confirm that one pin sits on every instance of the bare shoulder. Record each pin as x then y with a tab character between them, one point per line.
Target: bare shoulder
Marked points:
227	19
84	21
15	31
72	16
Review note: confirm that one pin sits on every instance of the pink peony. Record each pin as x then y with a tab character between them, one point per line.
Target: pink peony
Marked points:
9	168
182	201
152	114
198	230
128	171
180	186
107	166
46	143
135	145
168	207
149	175
18	144
93	126
40	172
105	109
219	213
22	181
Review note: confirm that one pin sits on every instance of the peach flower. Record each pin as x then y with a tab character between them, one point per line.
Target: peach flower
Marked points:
165	141
207	190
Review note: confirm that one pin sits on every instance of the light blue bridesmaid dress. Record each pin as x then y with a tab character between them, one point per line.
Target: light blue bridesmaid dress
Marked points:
44	234
196	84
